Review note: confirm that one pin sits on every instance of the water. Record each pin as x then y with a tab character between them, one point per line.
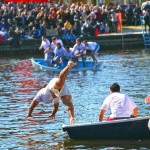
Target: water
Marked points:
19	83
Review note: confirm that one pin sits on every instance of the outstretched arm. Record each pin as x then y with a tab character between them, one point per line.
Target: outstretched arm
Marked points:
47	49
40	48
31	108
101	115
135	110
54	111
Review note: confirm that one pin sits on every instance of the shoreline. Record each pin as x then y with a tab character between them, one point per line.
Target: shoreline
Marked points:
129	38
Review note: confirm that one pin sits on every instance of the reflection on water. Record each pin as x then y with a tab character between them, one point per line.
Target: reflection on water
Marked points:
19	83
111	144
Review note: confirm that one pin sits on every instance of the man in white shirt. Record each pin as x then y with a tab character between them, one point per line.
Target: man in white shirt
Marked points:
47	50
79	50
59	53
120	105
68	53
55	90
93	47
55	40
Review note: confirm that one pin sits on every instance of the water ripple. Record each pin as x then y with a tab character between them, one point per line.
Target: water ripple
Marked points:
19	83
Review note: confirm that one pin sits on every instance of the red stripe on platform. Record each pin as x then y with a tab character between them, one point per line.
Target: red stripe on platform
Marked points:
27	1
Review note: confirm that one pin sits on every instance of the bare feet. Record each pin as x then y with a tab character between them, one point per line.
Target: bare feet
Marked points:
71	64
72	121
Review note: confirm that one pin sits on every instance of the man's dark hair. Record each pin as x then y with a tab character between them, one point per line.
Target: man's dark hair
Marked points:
54	38
44	36
115	87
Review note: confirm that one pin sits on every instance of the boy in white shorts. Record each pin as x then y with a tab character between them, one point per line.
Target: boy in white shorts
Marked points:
52	92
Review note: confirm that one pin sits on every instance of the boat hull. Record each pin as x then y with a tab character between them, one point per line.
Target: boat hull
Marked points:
40	64
136	128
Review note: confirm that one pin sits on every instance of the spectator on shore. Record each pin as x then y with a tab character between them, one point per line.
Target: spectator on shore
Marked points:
51	32
102	28
23	34
16	38
51	21
3	33
67	25
85	29
107	29
136	14
129	15
113	19
10	33
44	15
9	23
146	18
34	33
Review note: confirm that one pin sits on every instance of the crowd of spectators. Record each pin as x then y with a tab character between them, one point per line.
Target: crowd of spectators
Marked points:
22	21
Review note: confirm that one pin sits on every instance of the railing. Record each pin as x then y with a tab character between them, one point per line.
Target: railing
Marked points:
145	33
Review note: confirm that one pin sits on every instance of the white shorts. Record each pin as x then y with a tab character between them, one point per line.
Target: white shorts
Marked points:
62	92
96	49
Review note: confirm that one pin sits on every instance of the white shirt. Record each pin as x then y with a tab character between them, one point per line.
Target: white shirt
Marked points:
53	46
59	52
78	48
68	55
91	46
45	44
59	41
119	104
64	90
44	95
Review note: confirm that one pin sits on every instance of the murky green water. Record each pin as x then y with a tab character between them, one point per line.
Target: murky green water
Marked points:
19	83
